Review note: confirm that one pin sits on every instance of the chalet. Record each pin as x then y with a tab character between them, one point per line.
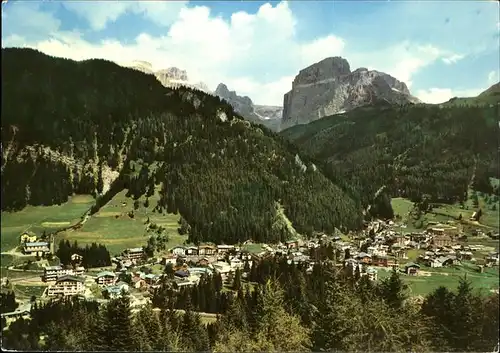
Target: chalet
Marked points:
79	270
178	250
52	273
67	286
292	244
207	250
36	248
465	255
449	260
492	259
151	279
399	240
222	249
27	237
192	250
76	258
382	261
106	278
179	283
138	282
134	253
235	262
204	261
418	237
371	273
222	268
412	269
444	230
442	240
169	259
364	258
400	254
116	290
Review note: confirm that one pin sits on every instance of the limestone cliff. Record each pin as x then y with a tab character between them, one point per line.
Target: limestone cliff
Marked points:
330	87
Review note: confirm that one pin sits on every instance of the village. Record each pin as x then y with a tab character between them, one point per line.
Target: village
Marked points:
382	246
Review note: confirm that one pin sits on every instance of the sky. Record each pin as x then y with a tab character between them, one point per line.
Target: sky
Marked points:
439	49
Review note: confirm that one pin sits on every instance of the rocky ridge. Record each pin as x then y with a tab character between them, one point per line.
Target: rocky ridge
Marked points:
330	87
268	116
170	77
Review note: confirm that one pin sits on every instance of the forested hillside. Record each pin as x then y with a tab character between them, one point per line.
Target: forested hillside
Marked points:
413	150
93	127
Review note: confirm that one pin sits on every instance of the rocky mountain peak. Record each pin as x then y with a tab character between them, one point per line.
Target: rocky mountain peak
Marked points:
174	73
329	87
329	68
223	92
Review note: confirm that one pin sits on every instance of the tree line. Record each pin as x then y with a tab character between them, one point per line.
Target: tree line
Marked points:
94	255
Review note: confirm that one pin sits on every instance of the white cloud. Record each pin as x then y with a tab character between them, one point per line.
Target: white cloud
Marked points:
453	59
100	13
255	54
402	61
493	77
441	95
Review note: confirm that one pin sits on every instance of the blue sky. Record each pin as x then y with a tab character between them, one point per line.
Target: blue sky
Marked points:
440	49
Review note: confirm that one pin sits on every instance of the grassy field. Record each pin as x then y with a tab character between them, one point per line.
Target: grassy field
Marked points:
41	218
25	292
444	212
252	248
112	226
449	277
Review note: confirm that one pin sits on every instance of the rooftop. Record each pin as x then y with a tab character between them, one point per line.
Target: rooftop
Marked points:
70	278
38	243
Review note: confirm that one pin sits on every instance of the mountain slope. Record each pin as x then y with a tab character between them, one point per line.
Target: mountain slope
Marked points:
329	87
75	126
413	150
488	97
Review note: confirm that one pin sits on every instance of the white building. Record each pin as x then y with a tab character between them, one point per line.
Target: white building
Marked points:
67	286
178	250
52	273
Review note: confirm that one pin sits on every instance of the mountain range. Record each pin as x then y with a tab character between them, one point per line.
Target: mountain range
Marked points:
324	88
269	116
